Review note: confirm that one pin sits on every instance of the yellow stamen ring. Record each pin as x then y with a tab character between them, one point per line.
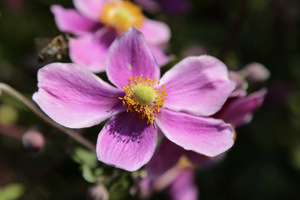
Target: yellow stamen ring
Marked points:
141	97
121	15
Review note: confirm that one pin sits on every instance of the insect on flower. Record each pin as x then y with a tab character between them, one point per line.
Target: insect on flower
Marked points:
58	47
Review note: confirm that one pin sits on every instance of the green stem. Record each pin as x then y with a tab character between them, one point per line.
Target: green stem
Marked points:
38	112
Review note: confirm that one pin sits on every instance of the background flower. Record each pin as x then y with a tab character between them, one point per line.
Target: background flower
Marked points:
96	23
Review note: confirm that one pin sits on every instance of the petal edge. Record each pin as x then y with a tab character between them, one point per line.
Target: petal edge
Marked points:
126	142
206	136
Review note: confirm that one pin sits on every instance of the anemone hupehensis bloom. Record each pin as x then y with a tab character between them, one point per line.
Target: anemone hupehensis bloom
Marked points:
179	104
96	23
173	167
238	110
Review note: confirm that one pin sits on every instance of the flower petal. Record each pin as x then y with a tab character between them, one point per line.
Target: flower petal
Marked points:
126	142
130	56
145	188
184	187
206	136
90	51
90	8
160	56
164	158
149	6
239	111
74	97
155	32
237	94
69	20
198	85
241	83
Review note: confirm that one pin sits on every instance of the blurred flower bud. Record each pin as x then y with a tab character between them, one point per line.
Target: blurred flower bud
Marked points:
256	72
33	141
241	83
98	192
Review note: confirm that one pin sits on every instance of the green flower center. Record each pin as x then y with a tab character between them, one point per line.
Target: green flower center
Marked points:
143	98
122	14
144	94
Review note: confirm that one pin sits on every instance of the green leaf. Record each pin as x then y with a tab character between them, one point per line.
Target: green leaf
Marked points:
88	174
85	157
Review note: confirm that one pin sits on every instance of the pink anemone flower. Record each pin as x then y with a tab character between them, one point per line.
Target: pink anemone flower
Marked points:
173	168
238	110
179	104
96	23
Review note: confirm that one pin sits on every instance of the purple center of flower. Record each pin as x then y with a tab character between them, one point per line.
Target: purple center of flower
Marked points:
121	15
141	97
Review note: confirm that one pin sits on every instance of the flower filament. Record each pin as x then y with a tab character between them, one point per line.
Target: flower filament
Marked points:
121	15
141	97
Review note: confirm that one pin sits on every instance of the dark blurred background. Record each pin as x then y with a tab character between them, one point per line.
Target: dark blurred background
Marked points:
265	160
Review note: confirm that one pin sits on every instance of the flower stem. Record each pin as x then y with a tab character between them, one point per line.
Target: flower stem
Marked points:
38	112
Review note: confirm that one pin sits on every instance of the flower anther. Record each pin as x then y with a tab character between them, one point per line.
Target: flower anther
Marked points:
143	98
184	162
121	15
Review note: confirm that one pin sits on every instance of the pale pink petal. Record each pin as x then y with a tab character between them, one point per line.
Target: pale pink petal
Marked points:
90	51
149	6
161	58
239	111
164	158
237	94
184	187
126	142
206	136
90	8
198	85
69	20
145	188
130	56
155	32
241	83
74	97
